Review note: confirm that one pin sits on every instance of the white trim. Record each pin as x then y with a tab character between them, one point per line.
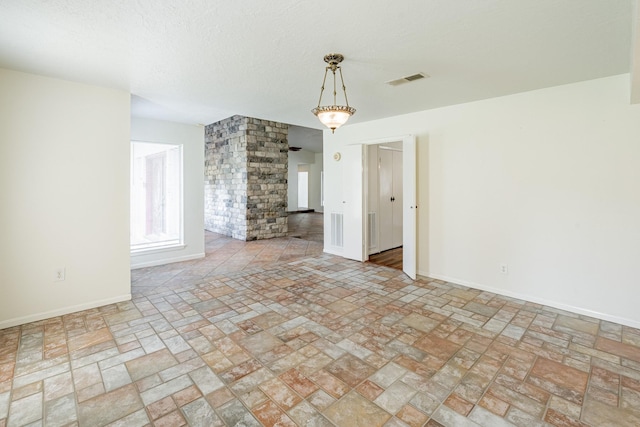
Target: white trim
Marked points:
177	246
383	147
62	311
383	140
536	300
166	261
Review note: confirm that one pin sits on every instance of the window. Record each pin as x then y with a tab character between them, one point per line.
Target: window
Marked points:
156	196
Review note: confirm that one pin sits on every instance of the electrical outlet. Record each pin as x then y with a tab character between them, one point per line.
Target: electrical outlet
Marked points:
59	274
504	269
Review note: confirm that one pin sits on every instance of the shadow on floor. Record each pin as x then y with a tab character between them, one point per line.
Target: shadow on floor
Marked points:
391	258
307	226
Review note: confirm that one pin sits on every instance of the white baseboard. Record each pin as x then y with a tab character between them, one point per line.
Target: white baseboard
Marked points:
62	311
525	297
164	261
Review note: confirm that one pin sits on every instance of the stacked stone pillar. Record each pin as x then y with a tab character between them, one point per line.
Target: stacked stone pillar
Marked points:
246	178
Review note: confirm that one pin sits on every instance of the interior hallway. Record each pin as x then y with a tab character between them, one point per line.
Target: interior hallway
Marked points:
277	333
307	226
310	226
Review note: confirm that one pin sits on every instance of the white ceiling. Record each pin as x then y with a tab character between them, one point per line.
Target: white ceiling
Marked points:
201	61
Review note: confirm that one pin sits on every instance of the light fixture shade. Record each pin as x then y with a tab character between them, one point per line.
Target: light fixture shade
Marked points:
333	116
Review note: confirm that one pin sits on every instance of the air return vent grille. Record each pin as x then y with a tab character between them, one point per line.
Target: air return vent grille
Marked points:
407	79
373	228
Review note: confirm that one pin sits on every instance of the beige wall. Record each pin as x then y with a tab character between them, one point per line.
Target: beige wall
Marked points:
64	189
545	182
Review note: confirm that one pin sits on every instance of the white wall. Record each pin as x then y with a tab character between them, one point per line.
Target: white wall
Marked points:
192	138
64	187
543	181
315	183
303	157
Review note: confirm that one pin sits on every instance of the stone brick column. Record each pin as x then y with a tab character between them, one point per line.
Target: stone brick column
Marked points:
246	178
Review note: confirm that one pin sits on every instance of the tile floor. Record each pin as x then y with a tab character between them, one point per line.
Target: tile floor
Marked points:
277	333
307	226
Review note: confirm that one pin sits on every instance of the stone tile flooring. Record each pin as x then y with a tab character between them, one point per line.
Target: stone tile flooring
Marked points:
307	226
262	333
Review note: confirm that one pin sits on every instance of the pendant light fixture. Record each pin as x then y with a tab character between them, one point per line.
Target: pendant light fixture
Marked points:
333	116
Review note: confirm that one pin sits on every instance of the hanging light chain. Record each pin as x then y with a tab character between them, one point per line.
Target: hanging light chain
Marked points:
333	68
344	88
322	88
335	93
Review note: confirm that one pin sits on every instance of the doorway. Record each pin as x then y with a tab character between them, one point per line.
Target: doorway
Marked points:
385	204
389	258
354	198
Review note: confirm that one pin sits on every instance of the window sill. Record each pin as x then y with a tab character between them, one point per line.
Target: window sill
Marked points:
158	249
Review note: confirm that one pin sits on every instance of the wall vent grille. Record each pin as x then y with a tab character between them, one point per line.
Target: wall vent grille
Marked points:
373	227
407	79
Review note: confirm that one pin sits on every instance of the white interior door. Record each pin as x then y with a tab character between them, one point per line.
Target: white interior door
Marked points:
390	199
410	208
352	160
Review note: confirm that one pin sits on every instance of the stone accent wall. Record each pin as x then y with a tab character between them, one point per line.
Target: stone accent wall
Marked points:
267	167
225	170
246	178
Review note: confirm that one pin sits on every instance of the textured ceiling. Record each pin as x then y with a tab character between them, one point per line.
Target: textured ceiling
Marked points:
200	61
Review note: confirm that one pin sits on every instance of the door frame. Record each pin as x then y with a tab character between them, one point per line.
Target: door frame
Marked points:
408	141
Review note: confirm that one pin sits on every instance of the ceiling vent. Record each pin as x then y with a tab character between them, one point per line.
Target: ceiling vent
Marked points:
407	79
